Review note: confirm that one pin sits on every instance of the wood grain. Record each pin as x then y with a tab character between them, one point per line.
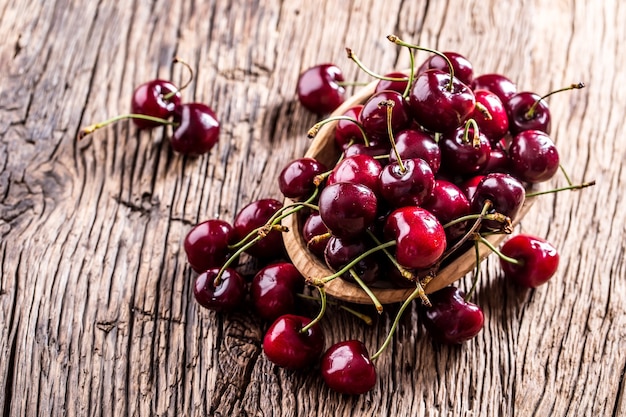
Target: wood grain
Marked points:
96	310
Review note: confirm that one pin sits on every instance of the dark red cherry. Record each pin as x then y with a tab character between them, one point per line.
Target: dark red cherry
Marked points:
273	290
459	155
206	244
150	99
435	106
520	118
227	295
420	238
408	184
254	215
533	156
347	368
347	209
296	179
447	203
398	86
197	129
451	319
315	234
340	252
506	193
374	114
413	143
347	131
463	69
469	185
498	84
538	260
357	169
498	161
494	124
287	346
319	88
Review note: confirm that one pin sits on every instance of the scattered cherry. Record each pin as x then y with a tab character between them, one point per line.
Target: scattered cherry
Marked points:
197	129
206	244
224	295
536	260
287	346
319	88
347	368
274	288
156	98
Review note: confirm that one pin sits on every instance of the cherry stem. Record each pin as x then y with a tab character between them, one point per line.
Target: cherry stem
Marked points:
471	123
565	174
171	94
320	314
476	272
495	250
418	292
389	104
483	110
531	112
351	264
367	290
91	128
357	61
398	41
367	319
318	239
313	131
569	187
409	83
486	207
352	83
403	271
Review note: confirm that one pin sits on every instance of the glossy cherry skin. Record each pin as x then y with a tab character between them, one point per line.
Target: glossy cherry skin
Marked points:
413	143
347	368
206	244
409	186
463	68
347	209
447	203
538	259
287	346
197	129
461	157
319	88
420	238
451	319
149	99
346	131
533	155
498	162
254	215
496	125
340	252
226	296
398	86
517	108
295	181
315	234
506	193
498	84
468	186
374	115
437	108
273	290
357	169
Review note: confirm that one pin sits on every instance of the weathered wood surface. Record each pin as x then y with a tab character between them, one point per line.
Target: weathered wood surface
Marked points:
96	311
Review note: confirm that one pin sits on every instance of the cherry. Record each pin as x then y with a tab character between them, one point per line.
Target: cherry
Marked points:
315	234
287	346
420	238
340	252
375	149
498	84
347	209
438	103
406	184
224	295
156	98
490	115
451	319
296	179
206	244
468	186
398	86
253	216
460	155
319	88
374	115
533	156
505	192
463	69
197	129
518	110
498	161
347	131
447	203
358	169
537	260
413	143
347	368
273	290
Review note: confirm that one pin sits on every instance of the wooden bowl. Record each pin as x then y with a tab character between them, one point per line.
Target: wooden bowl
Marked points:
324	149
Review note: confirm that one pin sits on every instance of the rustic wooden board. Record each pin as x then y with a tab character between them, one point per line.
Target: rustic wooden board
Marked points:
96	311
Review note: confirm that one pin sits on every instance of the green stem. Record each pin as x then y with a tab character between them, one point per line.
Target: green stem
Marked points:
91	128
368	291
357	61
320	314
403	271
314	130
171	94
495	250
367	319
486	207
566	175
407	89
569	187
475	134
531	112
389	104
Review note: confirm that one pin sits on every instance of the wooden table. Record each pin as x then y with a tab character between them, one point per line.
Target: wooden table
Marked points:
97	315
